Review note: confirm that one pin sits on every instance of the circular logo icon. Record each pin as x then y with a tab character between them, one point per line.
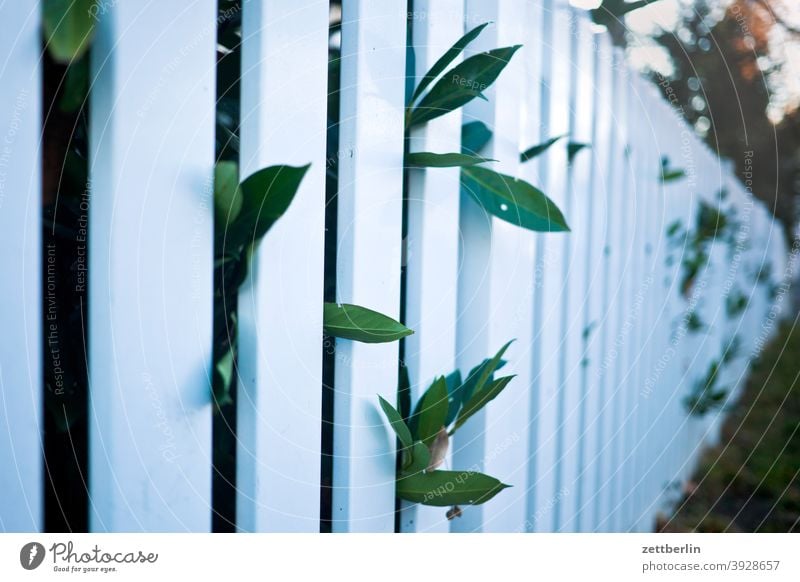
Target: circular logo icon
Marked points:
31	555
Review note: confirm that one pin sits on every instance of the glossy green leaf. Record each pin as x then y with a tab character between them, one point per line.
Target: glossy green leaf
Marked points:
476	378
446	59
431	411
474	136
400	428
403	391
431	160
416	458
266	195
480	399
358	323
573	148
512	200
446	488
227	194
453	381
68	27
462	84
539	149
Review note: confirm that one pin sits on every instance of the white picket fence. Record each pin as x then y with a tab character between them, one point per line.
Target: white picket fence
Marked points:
592	433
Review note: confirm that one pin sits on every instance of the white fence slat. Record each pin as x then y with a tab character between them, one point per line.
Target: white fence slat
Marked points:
626	213
650	274
641	133
551	249
612	263
597	314
532	132
21	474
151	168
494	297
284	107
368	266
579	195
432	236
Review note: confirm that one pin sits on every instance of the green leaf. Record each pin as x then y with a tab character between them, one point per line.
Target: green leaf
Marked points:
400	427
474	136
512	200
539	149
462	84
403	391
227	194
480	399
75	92
475	380
573	148
223	378
446	59
431	160
431	411
361	324
446	488
416	458
453	381
68	27
672	175
481	374
266	195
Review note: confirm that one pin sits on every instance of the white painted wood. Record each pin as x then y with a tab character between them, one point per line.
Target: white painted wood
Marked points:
650	271
549	346
637	205
284	103
596	321
532	131
579	195
368	264
613	337
151	166
629	308
495	304
433	235
21	475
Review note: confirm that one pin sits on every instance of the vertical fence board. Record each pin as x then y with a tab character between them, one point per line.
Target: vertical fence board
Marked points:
433	234
368	265
532	132
577	289
625	211
494	292
21	475
284	106
151	166
612	262
596	320
548	496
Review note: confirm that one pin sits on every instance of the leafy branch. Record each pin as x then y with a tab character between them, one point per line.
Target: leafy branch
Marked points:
425	433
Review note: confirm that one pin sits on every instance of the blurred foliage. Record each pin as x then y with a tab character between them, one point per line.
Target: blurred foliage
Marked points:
720	82
750	481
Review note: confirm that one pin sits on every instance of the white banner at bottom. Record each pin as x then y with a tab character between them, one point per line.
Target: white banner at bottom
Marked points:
389	558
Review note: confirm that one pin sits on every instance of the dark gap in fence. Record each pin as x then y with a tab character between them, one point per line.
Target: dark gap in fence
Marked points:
403	389
65	207
227	276
331	209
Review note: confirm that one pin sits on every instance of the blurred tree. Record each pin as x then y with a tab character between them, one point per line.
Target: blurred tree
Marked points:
721	84
611	14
